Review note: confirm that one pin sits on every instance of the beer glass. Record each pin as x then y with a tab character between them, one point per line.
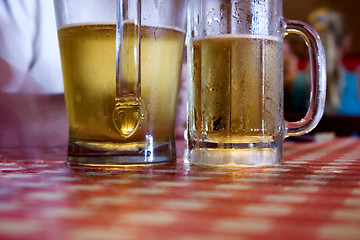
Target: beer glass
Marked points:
235	85
121	63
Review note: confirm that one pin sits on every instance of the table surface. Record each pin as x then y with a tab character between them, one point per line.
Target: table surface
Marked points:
315	194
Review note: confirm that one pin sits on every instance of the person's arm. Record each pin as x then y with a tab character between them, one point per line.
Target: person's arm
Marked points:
32	120
28	116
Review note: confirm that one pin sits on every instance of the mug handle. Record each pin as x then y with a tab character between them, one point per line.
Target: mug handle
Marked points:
317	76
126	115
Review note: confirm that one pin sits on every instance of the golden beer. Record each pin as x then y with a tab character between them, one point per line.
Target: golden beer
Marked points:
235	89
89	71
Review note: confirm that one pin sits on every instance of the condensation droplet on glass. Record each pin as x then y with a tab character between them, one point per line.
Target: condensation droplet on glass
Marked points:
146	17
236	16
156	3
148	153
210	11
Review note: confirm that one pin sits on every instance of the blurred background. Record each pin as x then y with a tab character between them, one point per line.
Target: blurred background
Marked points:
337	23
300	10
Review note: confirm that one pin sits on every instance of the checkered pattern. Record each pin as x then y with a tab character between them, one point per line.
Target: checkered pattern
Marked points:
314	195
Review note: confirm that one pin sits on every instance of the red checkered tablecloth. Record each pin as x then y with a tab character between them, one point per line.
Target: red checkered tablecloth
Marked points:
314	195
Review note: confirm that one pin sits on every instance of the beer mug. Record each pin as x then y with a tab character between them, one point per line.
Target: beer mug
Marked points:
121	64
235	85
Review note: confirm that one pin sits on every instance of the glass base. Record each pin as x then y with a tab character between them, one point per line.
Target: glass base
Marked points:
235	154
121	154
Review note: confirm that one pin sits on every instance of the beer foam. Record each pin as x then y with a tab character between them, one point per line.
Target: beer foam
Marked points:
85	24
124	22
157	26
247	36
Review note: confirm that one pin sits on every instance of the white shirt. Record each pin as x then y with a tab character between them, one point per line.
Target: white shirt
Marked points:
28	43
